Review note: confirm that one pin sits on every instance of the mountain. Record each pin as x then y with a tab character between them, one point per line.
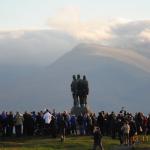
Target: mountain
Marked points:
117	78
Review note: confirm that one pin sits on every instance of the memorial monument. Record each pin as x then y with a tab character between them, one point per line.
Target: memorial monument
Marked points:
80	91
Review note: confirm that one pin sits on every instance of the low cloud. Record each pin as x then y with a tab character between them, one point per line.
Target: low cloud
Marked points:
145	36
69	20
116	32
67	29
39	47
133	34
130	39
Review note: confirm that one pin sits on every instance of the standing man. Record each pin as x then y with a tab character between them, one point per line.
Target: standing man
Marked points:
97	139
74	90
47	119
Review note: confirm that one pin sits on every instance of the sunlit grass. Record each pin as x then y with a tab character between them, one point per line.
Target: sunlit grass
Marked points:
70	143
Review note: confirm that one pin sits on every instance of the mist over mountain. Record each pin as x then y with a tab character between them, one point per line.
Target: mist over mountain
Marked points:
116	79
33	47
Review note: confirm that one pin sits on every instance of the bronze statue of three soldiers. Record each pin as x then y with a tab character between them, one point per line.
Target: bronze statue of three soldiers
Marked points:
80	90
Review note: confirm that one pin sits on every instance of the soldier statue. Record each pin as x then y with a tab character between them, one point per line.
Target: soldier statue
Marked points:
74	91
80	90
85	90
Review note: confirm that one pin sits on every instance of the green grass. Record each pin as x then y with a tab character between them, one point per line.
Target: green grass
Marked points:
70	143
143	146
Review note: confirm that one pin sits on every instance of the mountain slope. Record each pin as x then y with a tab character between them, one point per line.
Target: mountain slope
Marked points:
115	80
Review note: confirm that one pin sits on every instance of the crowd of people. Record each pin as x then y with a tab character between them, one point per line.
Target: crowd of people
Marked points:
123	124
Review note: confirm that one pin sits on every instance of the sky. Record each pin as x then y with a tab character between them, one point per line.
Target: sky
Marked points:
62	24
34	14
36	33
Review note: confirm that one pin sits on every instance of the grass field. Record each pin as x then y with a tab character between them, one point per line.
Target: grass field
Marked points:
70	143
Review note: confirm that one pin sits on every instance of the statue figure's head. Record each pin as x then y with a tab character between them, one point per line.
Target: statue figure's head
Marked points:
74	77
78	76
84	77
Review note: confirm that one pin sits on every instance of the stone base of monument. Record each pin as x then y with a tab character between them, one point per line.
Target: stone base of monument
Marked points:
80	110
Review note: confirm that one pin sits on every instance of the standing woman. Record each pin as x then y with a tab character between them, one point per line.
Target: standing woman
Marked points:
18	124
126	130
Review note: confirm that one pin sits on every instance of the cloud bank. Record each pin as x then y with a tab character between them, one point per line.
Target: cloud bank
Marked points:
69	20
39	47
116	32
67	29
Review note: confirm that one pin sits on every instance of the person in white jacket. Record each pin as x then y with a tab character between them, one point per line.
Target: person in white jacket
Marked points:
47	120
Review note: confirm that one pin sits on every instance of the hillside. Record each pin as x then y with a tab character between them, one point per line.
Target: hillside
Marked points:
116	78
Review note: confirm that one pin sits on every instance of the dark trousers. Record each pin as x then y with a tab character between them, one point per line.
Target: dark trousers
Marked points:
18	130
9	131
98	145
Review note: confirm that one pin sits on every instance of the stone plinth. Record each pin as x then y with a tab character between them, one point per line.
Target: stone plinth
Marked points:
78	110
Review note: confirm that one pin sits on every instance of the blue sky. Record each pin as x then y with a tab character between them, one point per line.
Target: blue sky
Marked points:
15	14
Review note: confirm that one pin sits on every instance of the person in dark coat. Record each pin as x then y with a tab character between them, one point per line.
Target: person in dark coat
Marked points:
3	122
53	127
39	124
100	121
63	126
10	124
97	135
73	124
80	121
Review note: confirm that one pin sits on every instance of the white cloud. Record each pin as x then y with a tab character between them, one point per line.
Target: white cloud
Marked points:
11	34
67	30
145	35
69	20
117	32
